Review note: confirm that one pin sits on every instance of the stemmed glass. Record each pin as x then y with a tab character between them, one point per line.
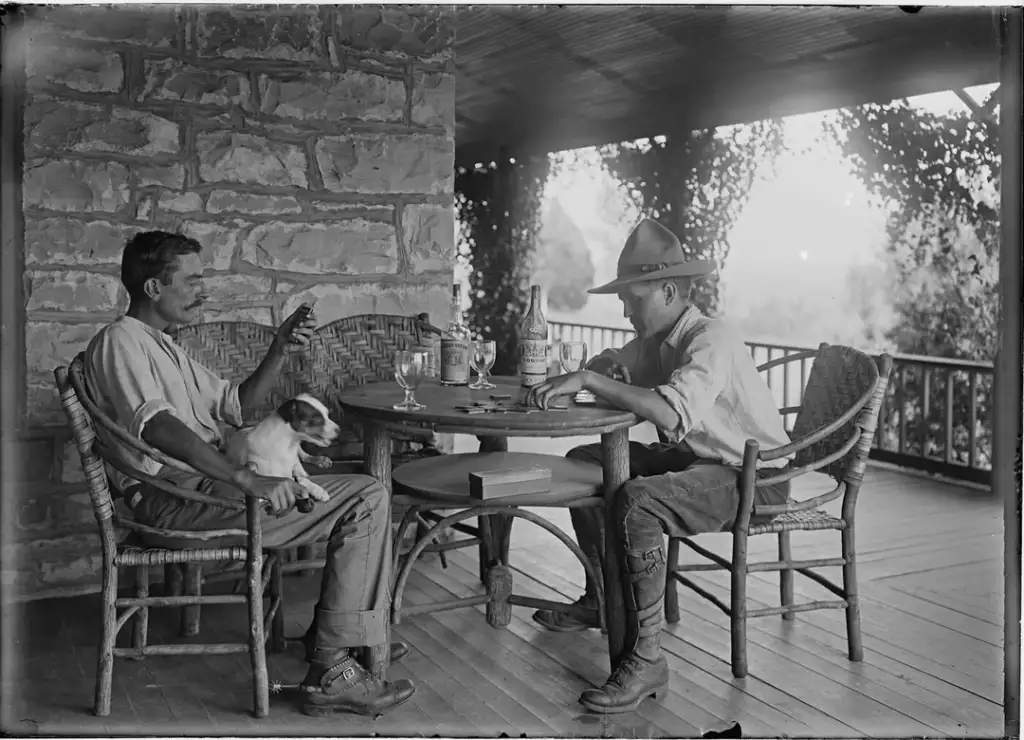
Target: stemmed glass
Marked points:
482	361
410	370
572	354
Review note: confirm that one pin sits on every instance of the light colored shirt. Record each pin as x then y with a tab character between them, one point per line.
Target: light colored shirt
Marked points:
706	374
133	372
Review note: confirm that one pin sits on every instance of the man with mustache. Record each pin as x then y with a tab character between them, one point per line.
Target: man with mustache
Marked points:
693	378
140	378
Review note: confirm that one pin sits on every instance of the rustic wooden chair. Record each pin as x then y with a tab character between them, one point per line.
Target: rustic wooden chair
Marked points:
832	434
349	351
149	546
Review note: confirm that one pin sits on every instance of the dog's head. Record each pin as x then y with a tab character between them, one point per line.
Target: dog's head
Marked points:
310	420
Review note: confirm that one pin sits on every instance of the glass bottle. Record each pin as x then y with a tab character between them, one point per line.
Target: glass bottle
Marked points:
455	345
533	342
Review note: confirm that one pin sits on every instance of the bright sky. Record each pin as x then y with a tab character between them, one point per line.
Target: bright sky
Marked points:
799	232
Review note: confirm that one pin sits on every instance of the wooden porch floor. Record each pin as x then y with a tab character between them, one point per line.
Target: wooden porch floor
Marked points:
931	579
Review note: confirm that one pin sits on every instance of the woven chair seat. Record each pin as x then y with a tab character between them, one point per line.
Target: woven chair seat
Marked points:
132	555
798	520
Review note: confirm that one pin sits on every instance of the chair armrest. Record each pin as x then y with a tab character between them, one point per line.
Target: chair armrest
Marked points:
817	435
791	507
162	484
790	473
190	534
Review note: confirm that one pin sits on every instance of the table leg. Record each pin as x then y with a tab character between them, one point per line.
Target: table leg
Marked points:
377	463
488	558
615	448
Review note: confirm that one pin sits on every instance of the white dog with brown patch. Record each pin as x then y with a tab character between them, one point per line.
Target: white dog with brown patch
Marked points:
274	446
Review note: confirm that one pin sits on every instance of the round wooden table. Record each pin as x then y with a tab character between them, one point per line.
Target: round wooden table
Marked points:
372	406
442	483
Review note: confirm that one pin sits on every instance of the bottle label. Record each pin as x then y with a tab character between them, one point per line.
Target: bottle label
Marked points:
533	361
455	361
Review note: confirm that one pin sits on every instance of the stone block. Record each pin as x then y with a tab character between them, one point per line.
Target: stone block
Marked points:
180	202
330	96
433	100
69	241
429	233
72	290
170	176
58	125
245	158
73	185
47	513
425	32
219	241
76	563
258	314
42	404
149	26
234	287
335	300
74	67
228	201
169	79
353	247
50	344
369	163
34	461
294	34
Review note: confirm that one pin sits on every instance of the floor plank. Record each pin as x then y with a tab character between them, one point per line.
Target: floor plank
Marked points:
931	583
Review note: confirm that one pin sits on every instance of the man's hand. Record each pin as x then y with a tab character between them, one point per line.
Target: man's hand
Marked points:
608	367
280	493
297	329
560	385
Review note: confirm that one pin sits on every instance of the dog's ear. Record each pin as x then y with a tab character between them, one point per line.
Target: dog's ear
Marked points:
289	410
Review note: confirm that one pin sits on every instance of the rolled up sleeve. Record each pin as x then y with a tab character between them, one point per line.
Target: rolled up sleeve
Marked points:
219	395
693	387
119	365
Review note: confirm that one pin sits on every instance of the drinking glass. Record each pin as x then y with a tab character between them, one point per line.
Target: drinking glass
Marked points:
482	361
410	370
573	355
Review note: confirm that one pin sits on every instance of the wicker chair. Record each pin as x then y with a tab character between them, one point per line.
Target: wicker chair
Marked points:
148	546
832	434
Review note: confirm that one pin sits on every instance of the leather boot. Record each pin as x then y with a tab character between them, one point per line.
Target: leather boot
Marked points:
643	671
346	686
399	649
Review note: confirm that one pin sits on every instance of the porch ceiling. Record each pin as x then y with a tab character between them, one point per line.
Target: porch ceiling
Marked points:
549	78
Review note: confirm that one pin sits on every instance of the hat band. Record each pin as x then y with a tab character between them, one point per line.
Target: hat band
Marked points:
644	269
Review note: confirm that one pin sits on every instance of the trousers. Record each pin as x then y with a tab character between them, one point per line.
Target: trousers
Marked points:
670	491
349	613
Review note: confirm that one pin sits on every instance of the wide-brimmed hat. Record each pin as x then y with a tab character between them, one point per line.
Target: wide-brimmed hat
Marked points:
652	252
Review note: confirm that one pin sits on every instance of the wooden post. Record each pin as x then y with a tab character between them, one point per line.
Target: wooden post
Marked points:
1006	428
615	448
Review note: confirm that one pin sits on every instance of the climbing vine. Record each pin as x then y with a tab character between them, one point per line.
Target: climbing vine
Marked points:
696	185
498	208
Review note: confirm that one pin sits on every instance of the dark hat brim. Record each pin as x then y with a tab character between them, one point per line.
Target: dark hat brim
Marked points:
693	268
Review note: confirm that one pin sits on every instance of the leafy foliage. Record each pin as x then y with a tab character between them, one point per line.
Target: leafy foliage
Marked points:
499	217
937	176
696	185
563	263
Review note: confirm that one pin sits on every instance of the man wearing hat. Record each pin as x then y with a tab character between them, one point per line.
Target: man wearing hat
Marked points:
694	379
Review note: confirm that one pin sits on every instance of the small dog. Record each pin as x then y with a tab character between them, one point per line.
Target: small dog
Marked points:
274	446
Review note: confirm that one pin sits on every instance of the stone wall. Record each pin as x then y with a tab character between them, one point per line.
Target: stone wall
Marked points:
309	149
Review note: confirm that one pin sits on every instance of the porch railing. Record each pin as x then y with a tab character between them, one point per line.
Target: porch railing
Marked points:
936	416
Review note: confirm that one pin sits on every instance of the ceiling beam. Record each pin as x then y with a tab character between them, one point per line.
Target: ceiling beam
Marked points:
794	89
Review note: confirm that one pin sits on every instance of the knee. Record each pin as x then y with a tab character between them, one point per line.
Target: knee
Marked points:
376	498
629	499
585	453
